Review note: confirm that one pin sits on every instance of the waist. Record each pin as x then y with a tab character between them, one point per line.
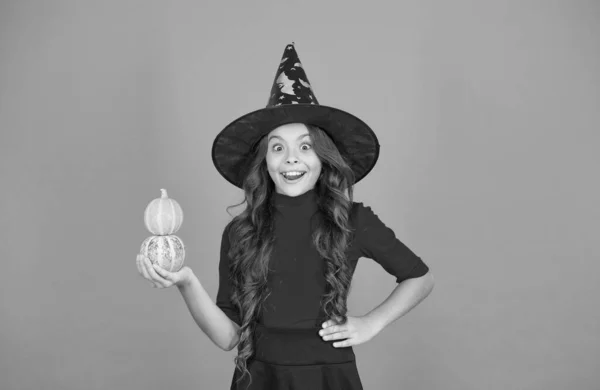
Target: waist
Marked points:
285	346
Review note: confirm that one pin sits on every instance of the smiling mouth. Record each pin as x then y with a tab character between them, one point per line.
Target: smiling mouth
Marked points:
293	175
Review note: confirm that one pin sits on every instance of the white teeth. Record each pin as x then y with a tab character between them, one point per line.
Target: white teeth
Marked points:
292	175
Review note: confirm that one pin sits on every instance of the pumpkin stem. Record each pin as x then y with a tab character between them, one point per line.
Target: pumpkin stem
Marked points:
163	193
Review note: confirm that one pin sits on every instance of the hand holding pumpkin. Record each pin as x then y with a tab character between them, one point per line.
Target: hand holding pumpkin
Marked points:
159	277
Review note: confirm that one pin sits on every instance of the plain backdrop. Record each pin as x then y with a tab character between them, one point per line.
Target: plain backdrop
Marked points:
488	114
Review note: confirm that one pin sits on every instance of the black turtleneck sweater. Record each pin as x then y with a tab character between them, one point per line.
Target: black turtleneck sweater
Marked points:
296	278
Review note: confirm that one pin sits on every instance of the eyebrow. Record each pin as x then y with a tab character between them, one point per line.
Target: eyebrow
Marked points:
276	136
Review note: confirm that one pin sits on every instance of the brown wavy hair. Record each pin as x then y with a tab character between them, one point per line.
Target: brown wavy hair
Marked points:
251	237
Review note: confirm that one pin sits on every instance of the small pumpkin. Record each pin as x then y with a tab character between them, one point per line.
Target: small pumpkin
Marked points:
163	216
168	252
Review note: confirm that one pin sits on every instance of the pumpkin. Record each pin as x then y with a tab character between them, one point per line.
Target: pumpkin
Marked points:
163	216
167	252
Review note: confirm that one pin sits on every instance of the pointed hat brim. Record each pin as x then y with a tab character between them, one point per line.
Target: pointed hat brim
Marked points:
354	139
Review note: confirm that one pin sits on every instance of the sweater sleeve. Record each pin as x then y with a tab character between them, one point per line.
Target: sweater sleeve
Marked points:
379	243
225	286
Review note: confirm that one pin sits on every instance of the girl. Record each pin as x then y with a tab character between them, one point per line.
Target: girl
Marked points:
287	260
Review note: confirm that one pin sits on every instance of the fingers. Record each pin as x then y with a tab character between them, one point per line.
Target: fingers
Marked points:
336	336
332	322
331	331
341	334
161	282
143	269
139	266
163	274
149	273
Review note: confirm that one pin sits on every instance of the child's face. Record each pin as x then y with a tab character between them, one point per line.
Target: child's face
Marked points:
290	150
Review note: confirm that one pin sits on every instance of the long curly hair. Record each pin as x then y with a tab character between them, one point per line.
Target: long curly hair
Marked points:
251	236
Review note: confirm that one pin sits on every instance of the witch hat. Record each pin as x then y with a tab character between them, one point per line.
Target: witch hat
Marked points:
292	100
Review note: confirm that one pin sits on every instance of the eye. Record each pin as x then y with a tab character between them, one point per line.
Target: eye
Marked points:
309	146
275	148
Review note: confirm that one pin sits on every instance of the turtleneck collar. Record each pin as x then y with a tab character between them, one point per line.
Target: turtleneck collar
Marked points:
302	201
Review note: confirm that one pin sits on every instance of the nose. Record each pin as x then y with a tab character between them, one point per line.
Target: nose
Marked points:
291	158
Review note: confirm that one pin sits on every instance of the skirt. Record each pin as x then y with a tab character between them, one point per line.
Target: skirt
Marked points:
297	359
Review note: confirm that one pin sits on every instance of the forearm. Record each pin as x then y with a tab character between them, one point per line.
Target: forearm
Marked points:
209	317
407	294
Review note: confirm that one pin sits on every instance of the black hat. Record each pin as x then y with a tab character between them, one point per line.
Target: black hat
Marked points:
292	100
